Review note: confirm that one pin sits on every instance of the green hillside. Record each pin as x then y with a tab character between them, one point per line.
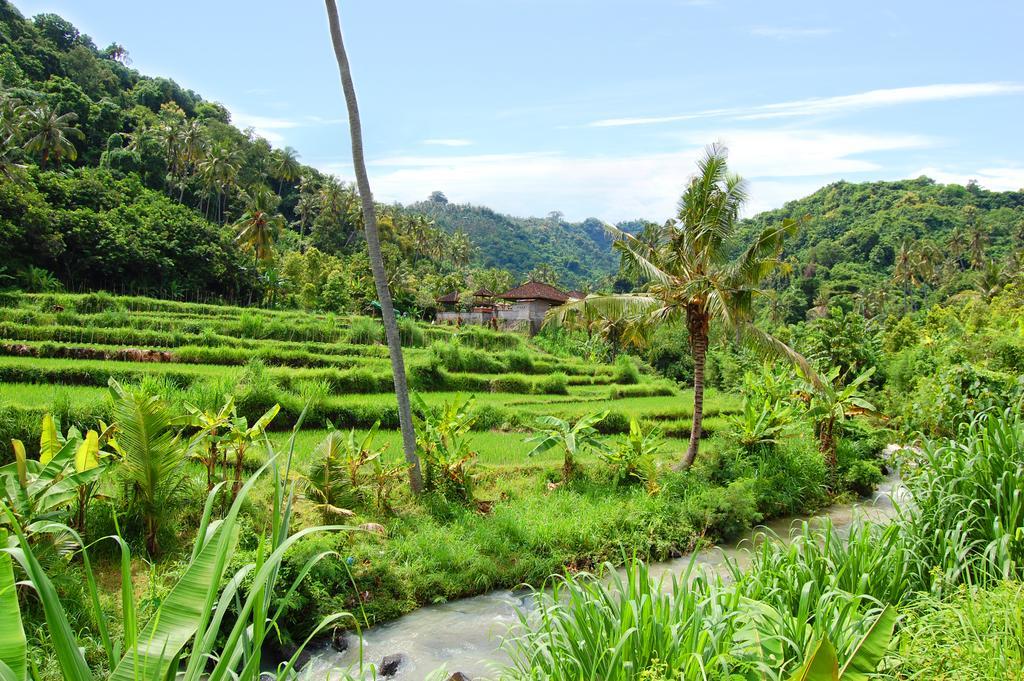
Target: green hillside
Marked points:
878	246
578	254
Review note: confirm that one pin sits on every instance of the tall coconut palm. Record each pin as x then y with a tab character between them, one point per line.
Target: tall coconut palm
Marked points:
260	224
693	277
48	134
286	167
376	258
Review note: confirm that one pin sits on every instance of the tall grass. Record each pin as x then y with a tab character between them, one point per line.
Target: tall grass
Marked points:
961	528
633	626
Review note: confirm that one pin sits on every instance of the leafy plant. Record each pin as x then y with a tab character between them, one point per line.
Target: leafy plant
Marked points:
152	457
444	447
41	493
830	403
189	635
762	426
329	480
633	458
573	437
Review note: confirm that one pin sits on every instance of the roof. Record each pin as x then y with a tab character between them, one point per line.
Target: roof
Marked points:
578	295
452	297
483	292
535	290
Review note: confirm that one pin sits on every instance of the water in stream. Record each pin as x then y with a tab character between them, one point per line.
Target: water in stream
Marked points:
465	635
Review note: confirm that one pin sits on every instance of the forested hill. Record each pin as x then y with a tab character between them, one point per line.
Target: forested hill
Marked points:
577	254
863	243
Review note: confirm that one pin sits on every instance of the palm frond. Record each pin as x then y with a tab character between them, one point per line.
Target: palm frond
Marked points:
770	346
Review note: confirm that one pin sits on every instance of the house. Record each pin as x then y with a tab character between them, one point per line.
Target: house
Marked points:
529	303
523	307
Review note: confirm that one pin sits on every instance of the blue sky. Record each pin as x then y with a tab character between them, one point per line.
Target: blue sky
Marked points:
599	108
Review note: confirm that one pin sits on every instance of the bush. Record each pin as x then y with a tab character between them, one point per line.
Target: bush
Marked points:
365	331
626	371
511	383
553	384
862	477
722	513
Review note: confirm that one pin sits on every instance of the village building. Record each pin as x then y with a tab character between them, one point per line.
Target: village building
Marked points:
521	308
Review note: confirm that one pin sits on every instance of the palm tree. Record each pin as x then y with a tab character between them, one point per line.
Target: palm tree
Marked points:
48	135
219	171
692	277
259	226
903	271
152	457
376	258
286	167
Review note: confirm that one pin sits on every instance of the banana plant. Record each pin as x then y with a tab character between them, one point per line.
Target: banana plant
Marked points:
194	633
212	423
68	471
862	661
240	436
571	436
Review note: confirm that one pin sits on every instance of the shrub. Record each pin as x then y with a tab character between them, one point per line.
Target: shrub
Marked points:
511	383
626	371
862	477
365	331
553	384
722	513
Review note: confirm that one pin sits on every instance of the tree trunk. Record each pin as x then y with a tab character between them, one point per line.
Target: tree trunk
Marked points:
697	324
827	446
376	258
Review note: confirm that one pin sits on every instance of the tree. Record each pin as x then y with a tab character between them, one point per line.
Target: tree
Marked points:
286	167
692	277
376	257
259	226
830	403
152	458
48	134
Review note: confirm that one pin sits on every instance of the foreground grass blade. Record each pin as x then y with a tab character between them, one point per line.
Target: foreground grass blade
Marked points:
69	656
12	635
177	620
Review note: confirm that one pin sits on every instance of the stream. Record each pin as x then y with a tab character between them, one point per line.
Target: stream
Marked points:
465	635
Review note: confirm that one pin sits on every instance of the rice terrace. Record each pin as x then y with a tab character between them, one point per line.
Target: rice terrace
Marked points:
274	406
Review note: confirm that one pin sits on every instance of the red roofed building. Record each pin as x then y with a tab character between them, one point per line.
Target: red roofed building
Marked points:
530	302
525	308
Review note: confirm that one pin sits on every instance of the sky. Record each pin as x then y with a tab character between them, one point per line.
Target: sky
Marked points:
601	108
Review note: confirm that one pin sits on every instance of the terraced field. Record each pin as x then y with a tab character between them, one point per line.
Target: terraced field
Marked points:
58	353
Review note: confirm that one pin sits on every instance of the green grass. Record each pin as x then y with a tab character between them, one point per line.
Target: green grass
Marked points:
44	395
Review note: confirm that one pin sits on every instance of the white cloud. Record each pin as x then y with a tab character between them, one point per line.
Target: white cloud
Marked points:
448	142
831	105
265	126
790	33
996	179
781	165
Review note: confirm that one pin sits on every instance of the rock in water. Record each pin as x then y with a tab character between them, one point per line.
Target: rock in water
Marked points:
389	665
339	640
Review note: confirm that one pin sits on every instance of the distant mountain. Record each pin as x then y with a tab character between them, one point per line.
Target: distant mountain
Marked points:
579	252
